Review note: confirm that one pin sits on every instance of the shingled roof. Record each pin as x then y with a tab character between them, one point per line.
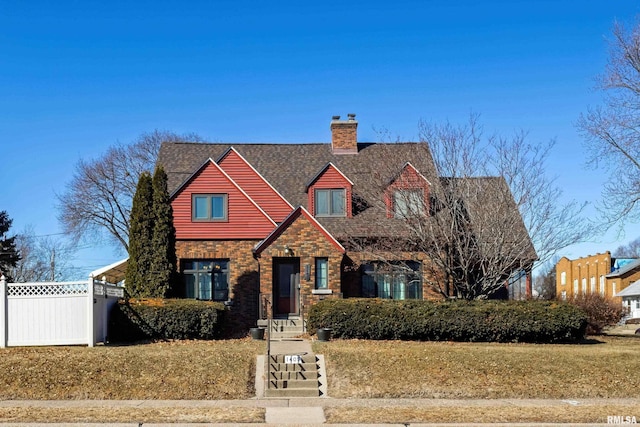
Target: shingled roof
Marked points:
290	167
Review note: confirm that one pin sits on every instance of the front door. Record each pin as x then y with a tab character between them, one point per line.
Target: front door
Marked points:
286	278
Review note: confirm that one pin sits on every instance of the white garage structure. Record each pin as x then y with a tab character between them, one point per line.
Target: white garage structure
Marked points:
631	299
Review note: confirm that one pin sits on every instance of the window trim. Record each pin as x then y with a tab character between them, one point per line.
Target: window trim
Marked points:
209	197
330	209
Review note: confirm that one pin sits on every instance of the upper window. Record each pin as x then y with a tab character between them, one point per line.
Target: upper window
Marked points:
408	203
322	273
563	278
330	202
209	207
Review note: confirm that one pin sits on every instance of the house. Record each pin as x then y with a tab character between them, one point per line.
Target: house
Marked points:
273	228
631	299
600	273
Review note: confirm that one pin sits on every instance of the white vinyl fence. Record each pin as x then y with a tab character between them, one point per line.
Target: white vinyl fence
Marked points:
55	313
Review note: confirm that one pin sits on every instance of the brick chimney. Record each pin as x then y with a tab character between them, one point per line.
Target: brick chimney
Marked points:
344	135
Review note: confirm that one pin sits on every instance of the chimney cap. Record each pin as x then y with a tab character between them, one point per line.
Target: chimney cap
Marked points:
335	117
351	116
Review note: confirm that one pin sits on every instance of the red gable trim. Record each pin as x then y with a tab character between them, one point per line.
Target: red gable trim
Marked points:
403	170
295	214
228	178
322	171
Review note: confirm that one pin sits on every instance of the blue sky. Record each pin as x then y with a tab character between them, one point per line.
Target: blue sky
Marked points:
79	76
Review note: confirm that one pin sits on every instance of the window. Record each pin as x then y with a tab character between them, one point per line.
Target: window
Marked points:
575	286
206	279
593	284
397	280
330	202
613	289
408	203
564	295
602	285
322	273
209	207
584	285
563	278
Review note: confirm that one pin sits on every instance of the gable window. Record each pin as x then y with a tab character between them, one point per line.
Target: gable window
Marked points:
408	203
563	278
396	280
322	273
206	279
209	207
330	202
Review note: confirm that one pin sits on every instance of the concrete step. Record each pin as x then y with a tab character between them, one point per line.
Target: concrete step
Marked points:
282	358
297	367
311	375
292	392
297	384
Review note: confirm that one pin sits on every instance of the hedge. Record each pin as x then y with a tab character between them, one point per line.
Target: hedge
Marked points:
489	321
136	320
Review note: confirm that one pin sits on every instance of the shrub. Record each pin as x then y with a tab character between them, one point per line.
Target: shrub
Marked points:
500	321
601	311
136	320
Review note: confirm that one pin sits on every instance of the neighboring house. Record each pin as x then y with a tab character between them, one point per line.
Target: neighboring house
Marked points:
270	228
599	273
631	299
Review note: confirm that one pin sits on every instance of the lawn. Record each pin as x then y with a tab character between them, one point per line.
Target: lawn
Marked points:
606	367
163	370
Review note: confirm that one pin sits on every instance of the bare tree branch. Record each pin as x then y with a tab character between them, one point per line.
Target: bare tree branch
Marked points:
612	130
97	201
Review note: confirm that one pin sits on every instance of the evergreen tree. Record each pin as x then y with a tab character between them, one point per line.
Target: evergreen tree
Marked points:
9	255
137	278
163	263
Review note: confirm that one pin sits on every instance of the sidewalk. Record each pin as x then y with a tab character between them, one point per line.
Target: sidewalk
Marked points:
307	411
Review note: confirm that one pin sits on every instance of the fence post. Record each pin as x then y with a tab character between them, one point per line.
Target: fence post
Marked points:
3	311
91	328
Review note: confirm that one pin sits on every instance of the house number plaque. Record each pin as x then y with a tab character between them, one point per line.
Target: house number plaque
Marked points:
291	359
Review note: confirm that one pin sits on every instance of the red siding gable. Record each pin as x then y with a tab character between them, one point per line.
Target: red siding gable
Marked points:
255	185
330	178
409	178
245	219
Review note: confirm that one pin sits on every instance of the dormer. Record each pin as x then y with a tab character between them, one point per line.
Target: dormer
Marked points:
407	195
329	193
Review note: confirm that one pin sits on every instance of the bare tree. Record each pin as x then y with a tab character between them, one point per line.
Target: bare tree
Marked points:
43	258
545	281
491	211
612	130
630	250
97	201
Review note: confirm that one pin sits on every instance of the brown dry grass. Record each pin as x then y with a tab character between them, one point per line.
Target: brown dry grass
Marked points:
131	415
373	369
490	414
164	370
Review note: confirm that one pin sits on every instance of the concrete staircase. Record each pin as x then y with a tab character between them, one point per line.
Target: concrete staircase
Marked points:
291	369
282	329
293	376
